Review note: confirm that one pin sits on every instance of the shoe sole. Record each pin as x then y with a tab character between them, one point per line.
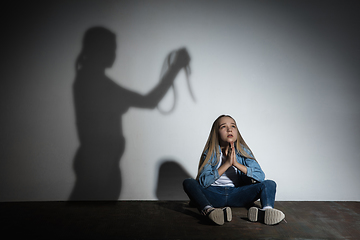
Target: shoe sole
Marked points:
269	216
273	216
227	214
217	216
253	214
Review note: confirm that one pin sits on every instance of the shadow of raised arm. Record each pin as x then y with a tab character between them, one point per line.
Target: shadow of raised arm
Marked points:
152	99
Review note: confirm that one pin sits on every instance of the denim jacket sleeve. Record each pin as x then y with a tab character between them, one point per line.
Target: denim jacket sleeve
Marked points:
254	170
209	173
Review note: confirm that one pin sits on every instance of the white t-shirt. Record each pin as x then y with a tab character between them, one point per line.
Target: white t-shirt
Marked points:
230	178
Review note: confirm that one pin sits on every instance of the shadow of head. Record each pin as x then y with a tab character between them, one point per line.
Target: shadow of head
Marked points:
98	48
169	185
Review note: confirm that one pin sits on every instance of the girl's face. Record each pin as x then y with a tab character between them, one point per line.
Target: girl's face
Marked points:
227	131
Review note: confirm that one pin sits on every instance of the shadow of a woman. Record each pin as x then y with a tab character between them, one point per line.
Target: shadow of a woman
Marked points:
99	106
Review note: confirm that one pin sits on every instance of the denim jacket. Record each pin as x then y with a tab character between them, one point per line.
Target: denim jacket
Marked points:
209	173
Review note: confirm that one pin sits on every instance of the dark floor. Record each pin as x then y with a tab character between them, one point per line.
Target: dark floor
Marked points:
172	220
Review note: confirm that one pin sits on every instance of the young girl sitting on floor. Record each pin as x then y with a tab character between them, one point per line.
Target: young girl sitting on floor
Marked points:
229	176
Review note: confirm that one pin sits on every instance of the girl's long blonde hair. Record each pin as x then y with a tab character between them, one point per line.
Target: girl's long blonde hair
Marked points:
212	145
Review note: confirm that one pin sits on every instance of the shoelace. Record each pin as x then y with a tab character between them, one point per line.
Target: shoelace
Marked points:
167	62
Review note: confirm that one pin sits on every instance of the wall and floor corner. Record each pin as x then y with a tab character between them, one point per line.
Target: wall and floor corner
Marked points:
286	71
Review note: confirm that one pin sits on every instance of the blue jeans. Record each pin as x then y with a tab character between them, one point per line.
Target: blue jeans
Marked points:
230	196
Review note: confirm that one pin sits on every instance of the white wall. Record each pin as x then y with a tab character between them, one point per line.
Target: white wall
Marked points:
287	72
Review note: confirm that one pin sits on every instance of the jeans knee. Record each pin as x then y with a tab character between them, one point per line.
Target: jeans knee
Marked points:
188	182
270	184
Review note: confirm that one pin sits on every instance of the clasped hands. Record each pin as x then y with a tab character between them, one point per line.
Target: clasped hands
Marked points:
230	154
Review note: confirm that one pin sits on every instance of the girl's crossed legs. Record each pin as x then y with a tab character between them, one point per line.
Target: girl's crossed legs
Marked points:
230	196
219	197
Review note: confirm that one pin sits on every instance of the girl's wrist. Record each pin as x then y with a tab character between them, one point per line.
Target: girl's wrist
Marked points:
227	164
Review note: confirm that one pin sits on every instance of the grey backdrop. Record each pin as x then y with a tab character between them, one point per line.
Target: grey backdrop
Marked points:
288	71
